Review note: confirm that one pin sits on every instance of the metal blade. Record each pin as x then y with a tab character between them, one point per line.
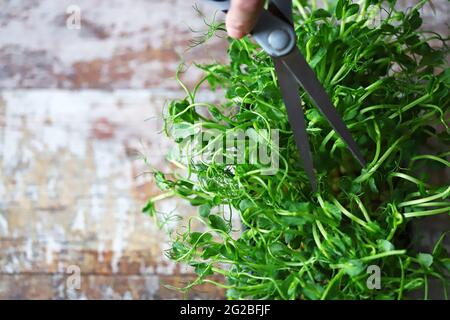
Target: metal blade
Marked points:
291	98
305	76
285	7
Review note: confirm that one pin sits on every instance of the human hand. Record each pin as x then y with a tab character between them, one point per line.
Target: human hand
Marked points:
242	17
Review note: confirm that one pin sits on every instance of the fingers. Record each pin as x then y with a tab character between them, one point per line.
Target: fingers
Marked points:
242	17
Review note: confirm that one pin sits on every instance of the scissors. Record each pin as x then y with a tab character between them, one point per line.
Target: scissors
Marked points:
275	33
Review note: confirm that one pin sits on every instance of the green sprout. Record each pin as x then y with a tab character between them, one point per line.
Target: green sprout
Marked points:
392	88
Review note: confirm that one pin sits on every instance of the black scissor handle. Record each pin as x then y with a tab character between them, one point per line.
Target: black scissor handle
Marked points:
275	36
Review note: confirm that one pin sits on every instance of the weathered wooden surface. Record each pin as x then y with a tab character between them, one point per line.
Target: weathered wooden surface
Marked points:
121	44
77	110
73	105
72	188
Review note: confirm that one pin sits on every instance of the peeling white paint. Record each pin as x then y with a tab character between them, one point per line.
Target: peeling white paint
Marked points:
12	265
152	284
81	192
2	195
101	250
109	293
118	246
51	247
107	31
128	296
29	249
3	225
79	223
111	15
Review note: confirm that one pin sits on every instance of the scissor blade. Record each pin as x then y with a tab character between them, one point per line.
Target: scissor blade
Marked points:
285	7
291	98
306	77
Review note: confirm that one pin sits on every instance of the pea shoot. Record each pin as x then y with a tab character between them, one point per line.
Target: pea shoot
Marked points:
390	81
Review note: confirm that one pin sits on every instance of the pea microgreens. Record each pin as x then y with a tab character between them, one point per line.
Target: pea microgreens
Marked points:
392	89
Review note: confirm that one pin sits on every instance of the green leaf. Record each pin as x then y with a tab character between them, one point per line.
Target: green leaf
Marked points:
202	269
296	221
182	130
218	223
312	291
289	286
198	200
339	10
414	21
279	249
228	251
314	116
432	59
385	246
353	267
299	207
149	208
446	263
211	250
245	204
178	251
199	238
332	209
373	185
388	28
351	10
439	250
318	57
320	14
425	259
351	114
205	210
161	181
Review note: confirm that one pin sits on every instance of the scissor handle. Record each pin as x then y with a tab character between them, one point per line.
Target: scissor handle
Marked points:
274	35
222	5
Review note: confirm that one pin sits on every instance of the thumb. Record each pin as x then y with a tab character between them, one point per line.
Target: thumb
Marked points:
242	16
